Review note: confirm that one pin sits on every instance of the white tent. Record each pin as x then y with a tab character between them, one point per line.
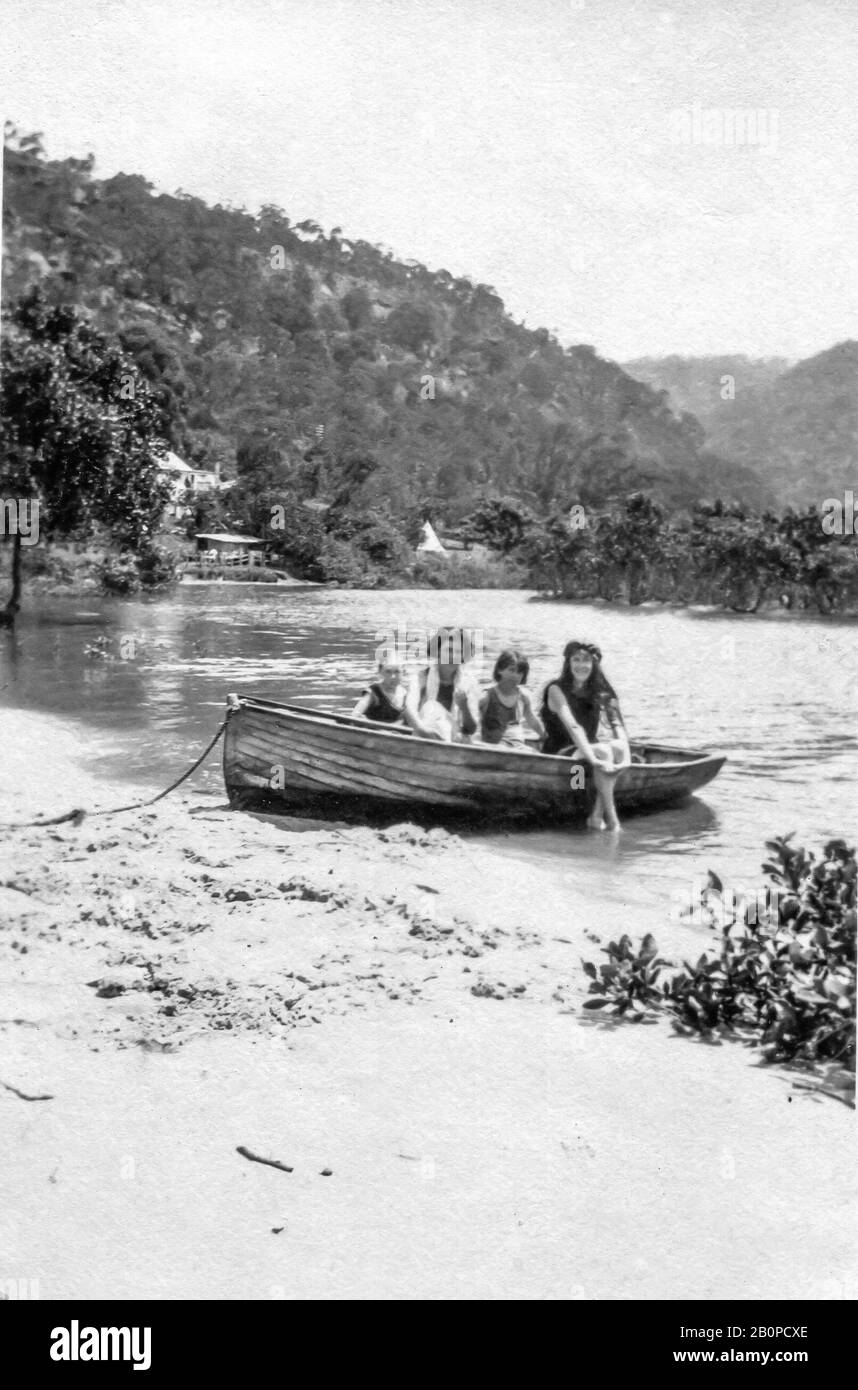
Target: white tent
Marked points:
430	541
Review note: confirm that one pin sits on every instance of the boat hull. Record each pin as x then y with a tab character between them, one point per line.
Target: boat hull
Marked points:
283	757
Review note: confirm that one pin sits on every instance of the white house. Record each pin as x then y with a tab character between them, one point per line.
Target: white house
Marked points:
186	480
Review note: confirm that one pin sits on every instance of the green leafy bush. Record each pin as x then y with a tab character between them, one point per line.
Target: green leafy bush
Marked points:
339	562
118	574
410	326
125	573
629	982
783	978
430	571
41	562
156	567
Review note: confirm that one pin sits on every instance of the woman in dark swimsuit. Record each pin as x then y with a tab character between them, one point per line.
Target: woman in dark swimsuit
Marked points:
384	700
506	707
572	707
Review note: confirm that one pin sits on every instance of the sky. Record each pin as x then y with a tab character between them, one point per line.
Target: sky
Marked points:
644	176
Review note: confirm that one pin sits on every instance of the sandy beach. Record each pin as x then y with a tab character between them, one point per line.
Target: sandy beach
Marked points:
393	1016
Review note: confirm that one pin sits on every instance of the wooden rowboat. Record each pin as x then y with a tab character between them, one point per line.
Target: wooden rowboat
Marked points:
282	757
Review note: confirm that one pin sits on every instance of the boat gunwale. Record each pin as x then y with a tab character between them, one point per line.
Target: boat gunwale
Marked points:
688	759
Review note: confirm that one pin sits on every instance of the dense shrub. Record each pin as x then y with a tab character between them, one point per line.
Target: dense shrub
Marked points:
535	377
118	574
718	554
340	562
783	976
430	571
43	562
629	981
410	326
153	567
156	567
357	307
48	570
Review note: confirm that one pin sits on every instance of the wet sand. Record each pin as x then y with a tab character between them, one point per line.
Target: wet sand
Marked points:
394	1016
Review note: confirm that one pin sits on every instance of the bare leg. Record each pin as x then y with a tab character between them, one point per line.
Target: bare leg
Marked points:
618	752
604	813
596	818
605	784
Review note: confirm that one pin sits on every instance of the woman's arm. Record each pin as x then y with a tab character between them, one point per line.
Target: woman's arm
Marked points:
411	705
466	701
362	706
411	710
531	718
558	704
482	707
618	731
468	716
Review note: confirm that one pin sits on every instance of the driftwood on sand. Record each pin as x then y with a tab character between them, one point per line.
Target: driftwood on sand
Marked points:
22	1094
269	1162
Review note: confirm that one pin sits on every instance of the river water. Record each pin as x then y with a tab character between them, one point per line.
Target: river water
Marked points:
777	693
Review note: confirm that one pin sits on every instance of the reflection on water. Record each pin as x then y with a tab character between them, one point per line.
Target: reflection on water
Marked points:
778	694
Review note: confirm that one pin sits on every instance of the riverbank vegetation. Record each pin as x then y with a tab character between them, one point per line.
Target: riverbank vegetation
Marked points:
781	976
633	552
715	553
80	435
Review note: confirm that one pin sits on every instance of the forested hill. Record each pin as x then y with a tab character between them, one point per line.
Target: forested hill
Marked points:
335	370
803	427
797	425
708	387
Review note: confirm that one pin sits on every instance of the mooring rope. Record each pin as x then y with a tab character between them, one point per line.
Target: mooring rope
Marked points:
78	814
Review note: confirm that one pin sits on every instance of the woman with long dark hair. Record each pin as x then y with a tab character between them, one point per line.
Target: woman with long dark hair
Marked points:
572	708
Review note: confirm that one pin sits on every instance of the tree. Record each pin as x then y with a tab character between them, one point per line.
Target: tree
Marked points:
78	432
373	534
410	326
631	538
158	360
561	557
290	309
732	554
537	380
356	468
822	564
339	562
357	308
278	515
207	515
259	461
499	523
